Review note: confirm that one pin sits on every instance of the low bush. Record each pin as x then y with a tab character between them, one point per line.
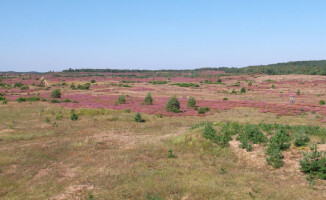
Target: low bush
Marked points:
24	87
243	90
93	81
73	115
17	84
203	110
84	86
225	99
314	163
59	116
279	142
191	102
148	99
121	100
158	82
321	102
56	93
173	105
298	92
138	118
3	100
222	137
186	84
170	154
301	138
32	99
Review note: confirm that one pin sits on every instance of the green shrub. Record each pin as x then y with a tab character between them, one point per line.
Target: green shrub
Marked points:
279	142
153	197
55	101
158	82
84	86
73	115
321	102
72	86
273	86
18	84
191	102
243	90
250	83
170	154
47	120
21	99
203	110
301	139
56	93
121	100
225	99
24	87
138	118
93	81
314	163
222	138
219	80
233	91
186	84
159	115
298	92
173	105
59	116
4	100
275	157
148	99
282	139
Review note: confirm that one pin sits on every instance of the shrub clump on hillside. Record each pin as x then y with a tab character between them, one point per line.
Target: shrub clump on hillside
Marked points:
138	118
191	102
321	102
56	93
243	90
279	142
222	137
121	100
148	99
301	139
73	115
203	110
173	105
314	163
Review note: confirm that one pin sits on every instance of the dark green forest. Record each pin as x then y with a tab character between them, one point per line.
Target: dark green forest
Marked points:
297	67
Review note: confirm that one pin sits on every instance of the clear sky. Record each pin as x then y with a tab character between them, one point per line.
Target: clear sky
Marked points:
171	34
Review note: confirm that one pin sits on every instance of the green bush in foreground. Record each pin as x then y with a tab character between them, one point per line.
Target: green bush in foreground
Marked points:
222	138
301	139
321	102
173	105
73	115
138	118
314	163
279	142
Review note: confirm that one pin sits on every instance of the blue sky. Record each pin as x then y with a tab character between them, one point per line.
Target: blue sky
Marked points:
169	34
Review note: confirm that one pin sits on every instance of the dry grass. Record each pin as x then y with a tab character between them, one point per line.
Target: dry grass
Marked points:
111	157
